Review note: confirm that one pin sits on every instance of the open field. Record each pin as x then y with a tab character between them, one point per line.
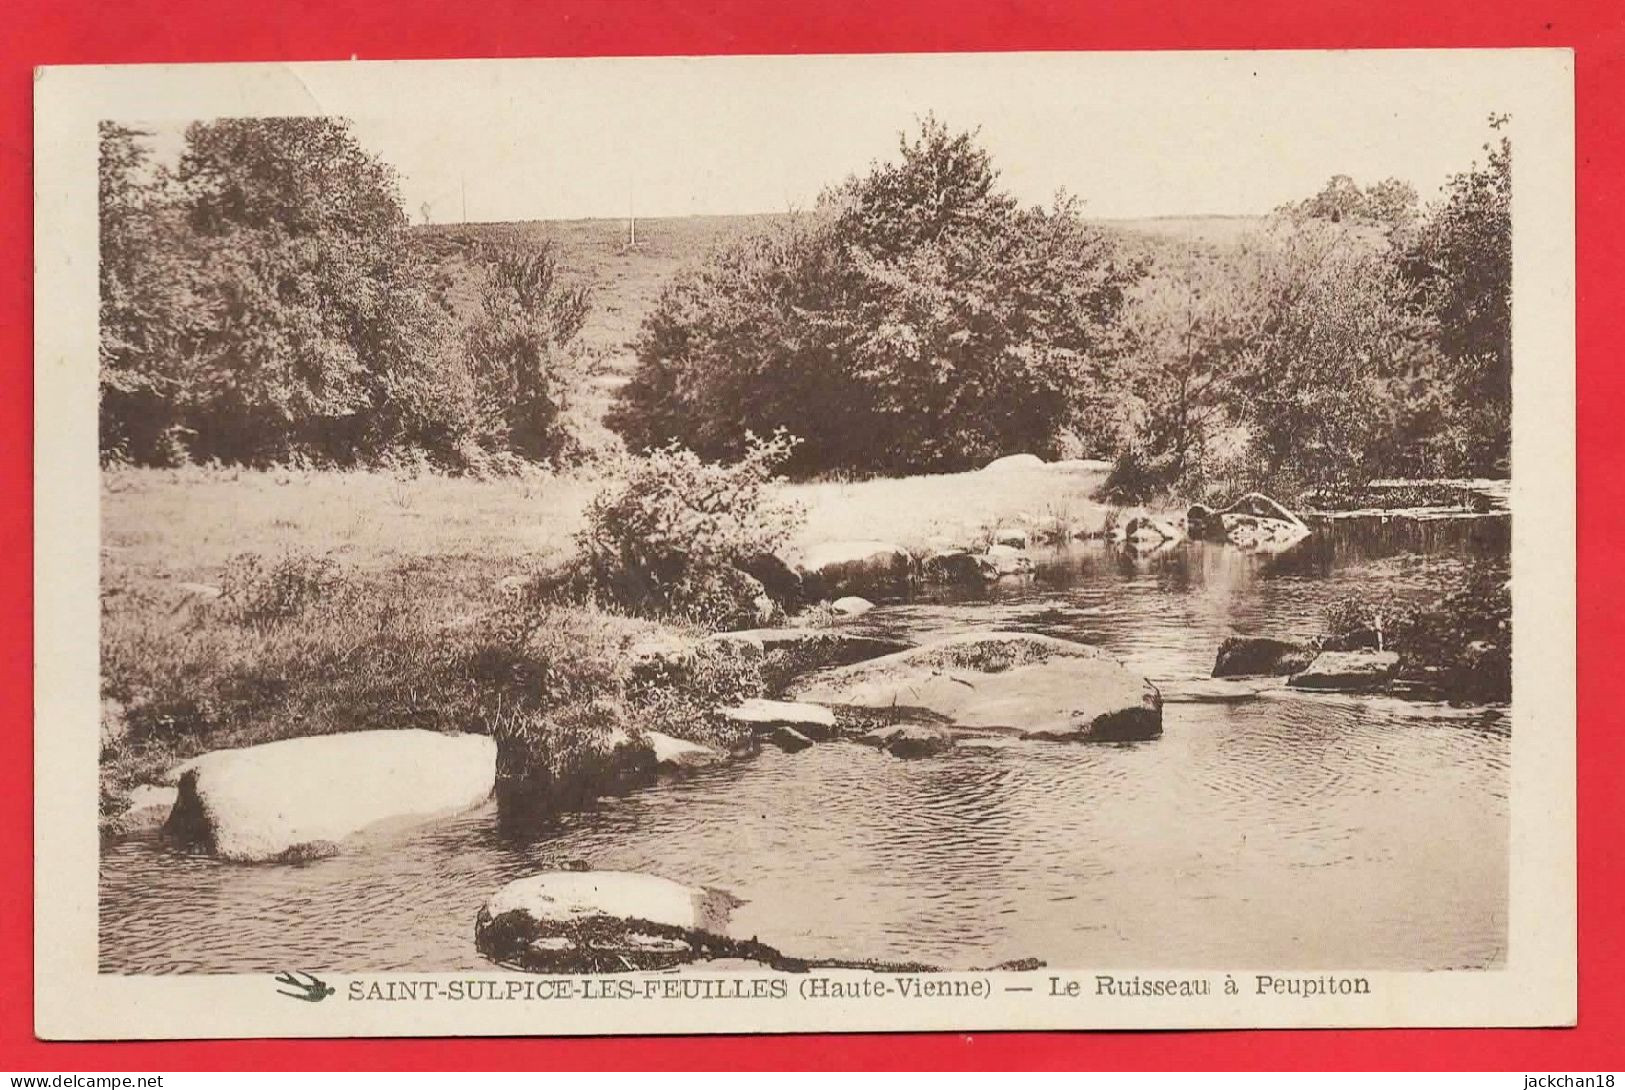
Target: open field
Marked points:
185	524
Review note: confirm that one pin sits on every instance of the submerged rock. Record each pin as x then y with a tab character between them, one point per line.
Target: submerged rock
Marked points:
1015	681
835	568
1001	560
598	922
909	740
766	715
789	739
1348	671
1148	530
955	566
674	754
1240	656
1215	690
301	797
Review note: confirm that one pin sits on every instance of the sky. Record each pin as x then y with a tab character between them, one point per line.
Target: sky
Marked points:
1132	135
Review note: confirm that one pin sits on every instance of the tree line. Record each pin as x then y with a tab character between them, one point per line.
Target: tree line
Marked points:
264	300
920	320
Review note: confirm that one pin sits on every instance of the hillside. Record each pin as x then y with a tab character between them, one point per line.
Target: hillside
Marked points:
626	281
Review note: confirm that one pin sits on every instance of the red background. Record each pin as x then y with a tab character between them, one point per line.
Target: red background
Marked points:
88	32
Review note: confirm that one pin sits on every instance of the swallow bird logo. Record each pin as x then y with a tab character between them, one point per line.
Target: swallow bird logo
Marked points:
305	986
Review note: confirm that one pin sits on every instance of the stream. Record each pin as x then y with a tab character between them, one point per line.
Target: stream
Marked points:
1291	831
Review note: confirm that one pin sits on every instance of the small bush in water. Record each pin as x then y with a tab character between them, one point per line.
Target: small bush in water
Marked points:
1460	640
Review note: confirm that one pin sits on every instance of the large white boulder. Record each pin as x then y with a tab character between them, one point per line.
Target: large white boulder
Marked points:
303	796
597	921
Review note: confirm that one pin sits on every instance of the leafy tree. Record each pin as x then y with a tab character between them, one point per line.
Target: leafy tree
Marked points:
519	349
146	304
1192	327
919	319
1289	362
265	301
325	339
1459	266
1327	369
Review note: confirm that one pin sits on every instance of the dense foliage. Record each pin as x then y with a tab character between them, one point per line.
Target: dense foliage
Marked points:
1325	352
920	319
264	302
1457	640
1389	203
520	347
676	534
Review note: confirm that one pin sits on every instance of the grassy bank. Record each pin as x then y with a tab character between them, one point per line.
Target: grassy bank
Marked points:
243	607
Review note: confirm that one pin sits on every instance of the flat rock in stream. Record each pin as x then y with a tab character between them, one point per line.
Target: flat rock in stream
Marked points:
1348	671
767	716
300	797
675	754
598	922
1037	686
1215	690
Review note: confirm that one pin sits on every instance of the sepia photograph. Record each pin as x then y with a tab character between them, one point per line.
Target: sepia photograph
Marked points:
893	542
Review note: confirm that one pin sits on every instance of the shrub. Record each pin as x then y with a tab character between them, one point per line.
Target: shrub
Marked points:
260	592
671	538
1459	640
521	351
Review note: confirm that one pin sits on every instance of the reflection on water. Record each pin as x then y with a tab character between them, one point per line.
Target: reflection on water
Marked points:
1291	831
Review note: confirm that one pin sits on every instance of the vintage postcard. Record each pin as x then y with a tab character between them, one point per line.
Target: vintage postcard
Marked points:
764	544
